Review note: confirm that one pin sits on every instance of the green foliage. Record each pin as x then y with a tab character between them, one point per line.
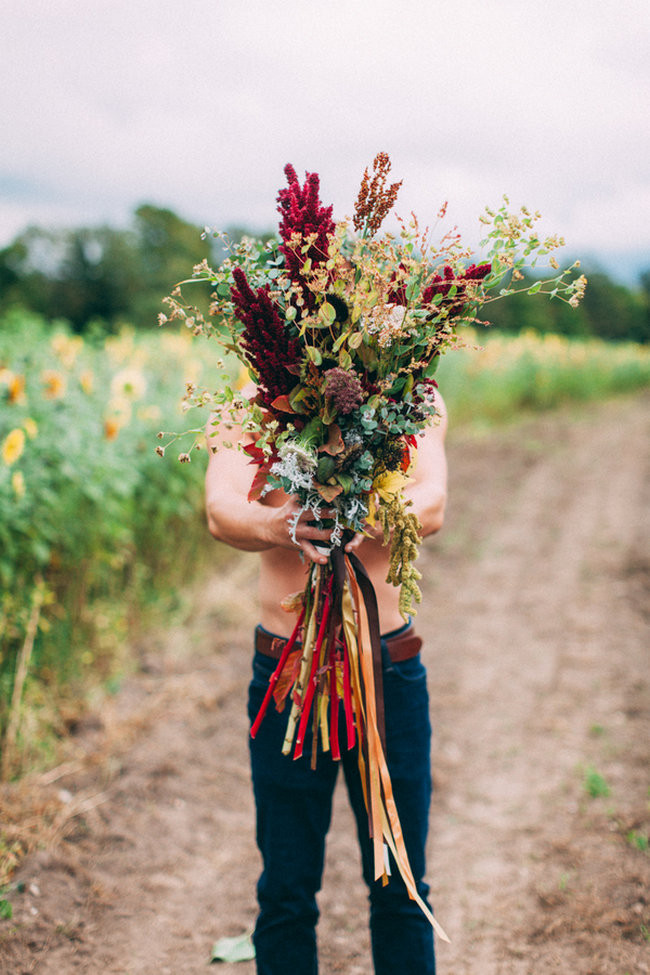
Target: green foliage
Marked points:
608	311
87	509
508	374
99	274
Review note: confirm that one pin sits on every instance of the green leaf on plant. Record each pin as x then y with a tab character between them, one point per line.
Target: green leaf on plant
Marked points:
6	910
233	949
430	370
534	288
412	290
327	312
345	360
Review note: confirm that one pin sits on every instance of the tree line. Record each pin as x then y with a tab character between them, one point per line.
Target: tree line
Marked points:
100	277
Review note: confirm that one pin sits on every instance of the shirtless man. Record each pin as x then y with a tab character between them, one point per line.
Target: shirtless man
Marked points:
293	801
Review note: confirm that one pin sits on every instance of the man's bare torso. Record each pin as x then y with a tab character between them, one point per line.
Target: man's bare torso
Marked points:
283	572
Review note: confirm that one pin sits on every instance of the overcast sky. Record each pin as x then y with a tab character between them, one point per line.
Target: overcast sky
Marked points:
198	105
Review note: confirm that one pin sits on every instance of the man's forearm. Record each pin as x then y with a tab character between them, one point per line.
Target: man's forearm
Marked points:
246	525
428	503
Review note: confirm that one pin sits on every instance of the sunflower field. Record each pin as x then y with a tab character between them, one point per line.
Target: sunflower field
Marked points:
96	528
93	523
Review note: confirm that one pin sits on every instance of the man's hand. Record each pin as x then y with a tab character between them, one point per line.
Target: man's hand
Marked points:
290	527
372	532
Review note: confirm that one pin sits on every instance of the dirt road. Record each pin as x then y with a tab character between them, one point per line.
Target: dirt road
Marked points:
535	622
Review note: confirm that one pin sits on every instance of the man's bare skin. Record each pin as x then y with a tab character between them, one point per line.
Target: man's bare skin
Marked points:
264	526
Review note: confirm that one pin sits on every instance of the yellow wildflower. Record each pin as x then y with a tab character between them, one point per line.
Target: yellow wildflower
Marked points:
30	427
15	385
18	483
13	446
112	427
17	389
87	381
53	383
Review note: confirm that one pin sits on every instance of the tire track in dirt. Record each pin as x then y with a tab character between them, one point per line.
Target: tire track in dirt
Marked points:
533	632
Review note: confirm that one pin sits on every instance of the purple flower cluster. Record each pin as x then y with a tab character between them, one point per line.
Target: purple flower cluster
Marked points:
271	350
344	388
303	213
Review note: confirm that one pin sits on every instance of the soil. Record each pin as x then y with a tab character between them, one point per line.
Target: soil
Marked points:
535	621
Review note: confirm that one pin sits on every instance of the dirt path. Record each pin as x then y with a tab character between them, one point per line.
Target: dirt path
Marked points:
535	620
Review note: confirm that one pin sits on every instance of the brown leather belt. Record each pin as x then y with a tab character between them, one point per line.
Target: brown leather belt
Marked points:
402	646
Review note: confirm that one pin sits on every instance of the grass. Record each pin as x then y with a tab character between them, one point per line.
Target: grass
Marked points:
498	377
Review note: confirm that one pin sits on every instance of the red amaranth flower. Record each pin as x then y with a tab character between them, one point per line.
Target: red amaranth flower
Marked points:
302	213
272	351
441	284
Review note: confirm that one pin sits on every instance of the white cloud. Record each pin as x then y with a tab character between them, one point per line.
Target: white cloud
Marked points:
199	106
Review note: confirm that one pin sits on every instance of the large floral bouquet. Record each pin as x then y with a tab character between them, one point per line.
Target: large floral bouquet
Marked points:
341	331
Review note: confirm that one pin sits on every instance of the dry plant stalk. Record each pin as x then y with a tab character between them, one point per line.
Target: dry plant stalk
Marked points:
22	668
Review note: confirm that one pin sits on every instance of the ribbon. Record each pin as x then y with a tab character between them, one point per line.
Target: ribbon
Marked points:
340	611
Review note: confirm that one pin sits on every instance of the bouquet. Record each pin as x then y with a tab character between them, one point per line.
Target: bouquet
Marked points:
341	330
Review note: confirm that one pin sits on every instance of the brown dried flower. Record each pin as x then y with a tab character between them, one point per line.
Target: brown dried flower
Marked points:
375	199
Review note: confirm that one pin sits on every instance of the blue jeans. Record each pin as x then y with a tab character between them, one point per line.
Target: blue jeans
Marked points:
294	804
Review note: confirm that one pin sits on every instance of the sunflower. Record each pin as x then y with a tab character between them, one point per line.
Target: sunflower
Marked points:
13	446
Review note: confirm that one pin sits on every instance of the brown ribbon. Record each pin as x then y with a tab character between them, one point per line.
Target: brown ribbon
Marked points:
372	611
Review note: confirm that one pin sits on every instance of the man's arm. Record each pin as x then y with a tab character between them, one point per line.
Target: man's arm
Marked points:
250	525
428	490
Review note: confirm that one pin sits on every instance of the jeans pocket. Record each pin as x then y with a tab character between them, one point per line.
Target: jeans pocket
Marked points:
409	671
263	668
